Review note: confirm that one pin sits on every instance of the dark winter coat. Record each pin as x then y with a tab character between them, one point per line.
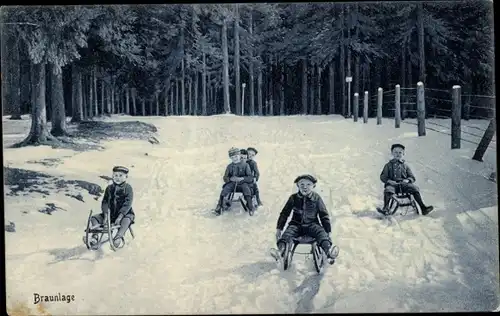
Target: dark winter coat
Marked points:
396	170
118	199
240	169
254	168
306	210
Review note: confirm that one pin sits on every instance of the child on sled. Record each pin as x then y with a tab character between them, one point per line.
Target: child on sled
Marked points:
251	153
116	206
237	175
307	206
397	176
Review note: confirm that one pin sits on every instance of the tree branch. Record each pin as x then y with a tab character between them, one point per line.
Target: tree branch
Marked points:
21	23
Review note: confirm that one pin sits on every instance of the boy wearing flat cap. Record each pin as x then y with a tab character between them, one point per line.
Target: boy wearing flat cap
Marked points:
310	218
237	174
397	175
251	153
244	155
116	205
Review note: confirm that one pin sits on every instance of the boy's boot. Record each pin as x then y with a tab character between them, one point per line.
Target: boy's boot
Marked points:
93	242
248	199
387	200
280	253
330	251
118	241
425	209
218	208
257	196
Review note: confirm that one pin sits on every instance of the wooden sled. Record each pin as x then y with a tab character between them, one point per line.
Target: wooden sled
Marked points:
101	230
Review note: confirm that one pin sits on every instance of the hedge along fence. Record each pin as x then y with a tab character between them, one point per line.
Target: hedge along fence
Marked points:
458	111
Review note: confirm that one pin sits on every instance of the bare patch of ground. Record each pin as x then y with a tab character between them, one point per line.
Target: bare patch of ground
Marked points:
24	182
88	135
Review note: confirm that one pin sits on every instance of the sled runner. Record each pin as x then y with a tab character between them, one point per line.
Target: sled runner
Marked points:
237	196
319	256
101	230
243	203
398	201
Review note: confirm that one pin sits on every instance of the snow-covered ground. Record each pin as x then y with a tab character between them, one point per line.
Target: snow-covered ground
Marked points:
185	260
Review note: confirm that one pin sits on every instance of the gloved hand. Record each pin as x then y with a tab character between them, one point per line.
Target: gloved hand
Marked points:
233	179
392	182
406	181
278	234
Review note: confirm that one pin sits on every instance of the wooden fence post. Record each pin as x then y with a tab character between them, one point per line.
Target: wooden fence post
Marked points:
365	108
397	101
421	109
355	107
456	118
485	141
379	106
243	85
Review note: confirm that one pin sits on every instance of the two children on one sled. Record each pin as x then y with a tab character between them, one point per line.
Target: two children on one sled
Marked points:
239	174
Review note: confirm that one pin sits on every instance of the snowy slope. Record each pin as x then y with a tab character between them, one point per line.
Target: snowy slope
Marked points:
185	260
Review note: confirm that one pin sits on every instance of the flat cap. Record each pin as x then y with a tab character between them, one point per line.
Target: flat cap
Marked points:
120	169
252	149
233	151
307	177
396	146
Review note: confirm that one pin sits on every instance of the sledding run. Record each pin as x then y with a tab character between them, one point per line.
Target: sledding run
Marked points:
310	220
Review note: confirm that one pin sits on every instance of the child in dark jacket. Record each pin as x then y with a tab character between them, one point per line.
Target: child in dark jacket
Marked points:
244	156
251	153
397	176
237	175
116	206
310	218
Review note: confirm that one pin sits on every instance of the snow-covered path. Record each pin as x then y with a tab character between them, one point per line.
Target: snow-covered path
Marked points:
185	260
